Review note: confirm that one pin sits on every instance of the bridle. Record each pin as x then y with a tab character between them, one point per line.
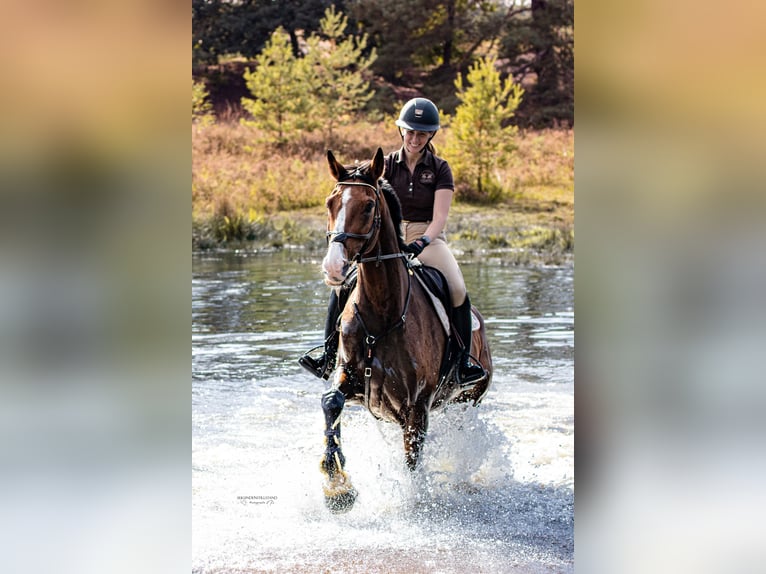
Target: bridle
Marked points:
341	236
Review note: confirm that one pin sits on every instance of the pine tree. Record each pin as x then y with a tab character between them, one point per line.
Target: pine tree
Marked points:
336	66
479	138
319	90
279	105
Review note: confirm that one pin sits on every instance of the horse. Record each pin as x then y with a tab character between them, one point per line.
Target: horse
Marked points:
392	342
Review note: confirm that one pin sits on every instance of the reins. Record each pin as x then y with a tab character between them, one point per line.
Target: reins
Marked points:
338	236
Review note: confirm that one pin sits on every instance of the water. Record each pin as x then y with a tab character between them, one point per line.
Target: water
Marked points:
495	490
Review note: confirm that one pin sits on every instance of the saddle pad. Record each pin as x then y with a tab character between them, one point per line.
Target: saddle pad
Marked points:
475	325
435	285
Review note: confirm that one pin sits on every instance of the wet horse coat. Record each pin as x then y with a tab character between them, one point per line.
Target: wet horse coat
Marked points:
392	342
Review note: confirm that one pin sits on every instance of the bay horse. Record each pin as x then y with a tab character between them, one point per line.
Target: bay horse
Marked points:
392	341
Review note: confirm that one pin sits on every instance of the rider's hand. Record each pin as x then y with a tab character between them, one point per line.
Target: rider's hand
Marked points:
417	246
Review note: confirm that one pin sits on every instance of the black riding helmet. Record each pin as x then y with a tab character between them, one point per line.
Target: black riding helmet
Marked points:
419	114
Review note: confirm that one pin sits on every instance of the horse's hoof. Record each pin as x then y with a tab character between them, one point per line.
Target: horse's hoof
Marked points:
339	493
340	501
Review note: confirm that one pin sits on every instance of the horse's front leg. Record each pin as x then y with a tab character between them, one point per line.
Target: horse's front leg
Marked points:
339	494
414	430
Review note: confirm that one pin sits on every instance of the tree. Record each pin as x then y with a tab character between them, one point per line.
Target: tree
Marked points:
480	138
317	90
221	27
538	43
421	45
335	67
279	104
423	39
208	36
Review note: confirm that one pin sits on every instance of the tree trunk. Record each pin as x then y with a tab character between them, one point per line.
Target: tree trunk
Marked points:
545	66
450	35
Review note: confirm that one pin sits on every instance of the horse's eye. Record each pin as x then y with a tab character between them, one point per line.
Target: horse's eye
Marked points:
368	207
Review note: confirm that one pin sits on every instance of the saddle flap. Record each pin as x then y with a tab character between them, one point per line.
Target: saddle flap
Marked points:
435	284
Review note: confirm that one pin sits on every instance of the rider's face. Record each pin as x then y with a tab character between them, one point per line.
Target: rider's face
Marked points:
415	140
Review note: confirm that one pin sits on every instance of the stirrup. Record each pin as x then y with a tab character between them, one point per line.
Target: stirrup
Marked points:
319	367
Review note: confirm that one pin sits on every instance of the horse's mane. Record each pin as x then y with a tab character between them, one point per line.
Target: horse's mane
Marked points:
392	200
394	207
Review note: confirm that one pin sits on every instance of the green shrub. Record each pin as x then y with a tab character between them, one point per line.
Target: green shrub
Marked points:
202	109
479	141
322	89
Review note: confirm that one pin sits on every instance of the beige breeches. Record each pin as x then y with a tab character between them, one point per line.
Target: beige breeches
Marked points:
439	255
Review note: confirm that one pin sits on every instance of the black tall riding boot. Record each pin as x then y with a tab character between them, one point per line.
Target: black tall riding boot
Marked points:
323	366
461	318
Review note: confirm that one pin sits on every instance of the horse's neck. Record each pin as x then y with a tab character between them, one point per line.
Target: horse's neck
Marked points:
383	285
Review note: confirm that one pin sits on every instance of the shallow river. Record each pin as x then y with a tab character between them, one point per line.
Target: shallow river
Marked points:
494	492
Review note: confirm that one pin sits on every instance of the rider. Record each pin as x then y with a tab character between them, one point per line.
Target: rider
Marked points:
424	185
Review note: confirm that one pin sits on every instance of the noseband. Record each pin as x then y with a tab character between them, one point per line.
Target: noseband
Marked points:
341	236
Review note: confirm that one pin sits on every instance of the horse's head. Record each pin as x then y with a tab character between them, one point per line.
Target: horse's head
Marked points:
353	215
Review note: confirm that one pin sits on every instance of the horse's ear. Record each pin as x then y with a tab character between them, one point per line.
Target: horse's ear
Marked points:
336	169
377	166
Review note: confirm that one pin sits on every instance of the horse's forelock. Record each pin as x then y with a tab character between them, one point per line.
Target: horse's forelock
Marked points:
359	171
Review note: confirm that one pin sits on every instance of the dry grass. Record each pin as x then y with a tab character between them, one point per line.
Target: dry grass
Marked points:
246	190
231	163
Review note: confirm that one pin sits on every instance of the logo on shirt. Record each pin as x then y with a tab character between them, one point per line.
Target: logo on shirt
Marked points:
427	177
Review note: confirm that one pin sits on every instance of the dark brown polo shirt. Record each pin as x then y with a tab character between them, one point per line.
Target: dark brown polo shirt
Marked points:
416	192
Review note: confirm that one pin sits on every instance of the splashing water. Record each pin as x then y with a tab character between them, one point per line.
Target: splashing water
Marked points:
493	493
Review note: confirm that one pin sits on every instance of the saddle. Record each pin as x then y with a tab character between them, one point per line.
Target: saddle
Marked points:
436	286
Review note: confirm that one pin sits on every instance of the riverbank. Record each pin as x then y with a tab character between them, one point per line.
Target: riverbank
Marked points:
519	238
247	197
